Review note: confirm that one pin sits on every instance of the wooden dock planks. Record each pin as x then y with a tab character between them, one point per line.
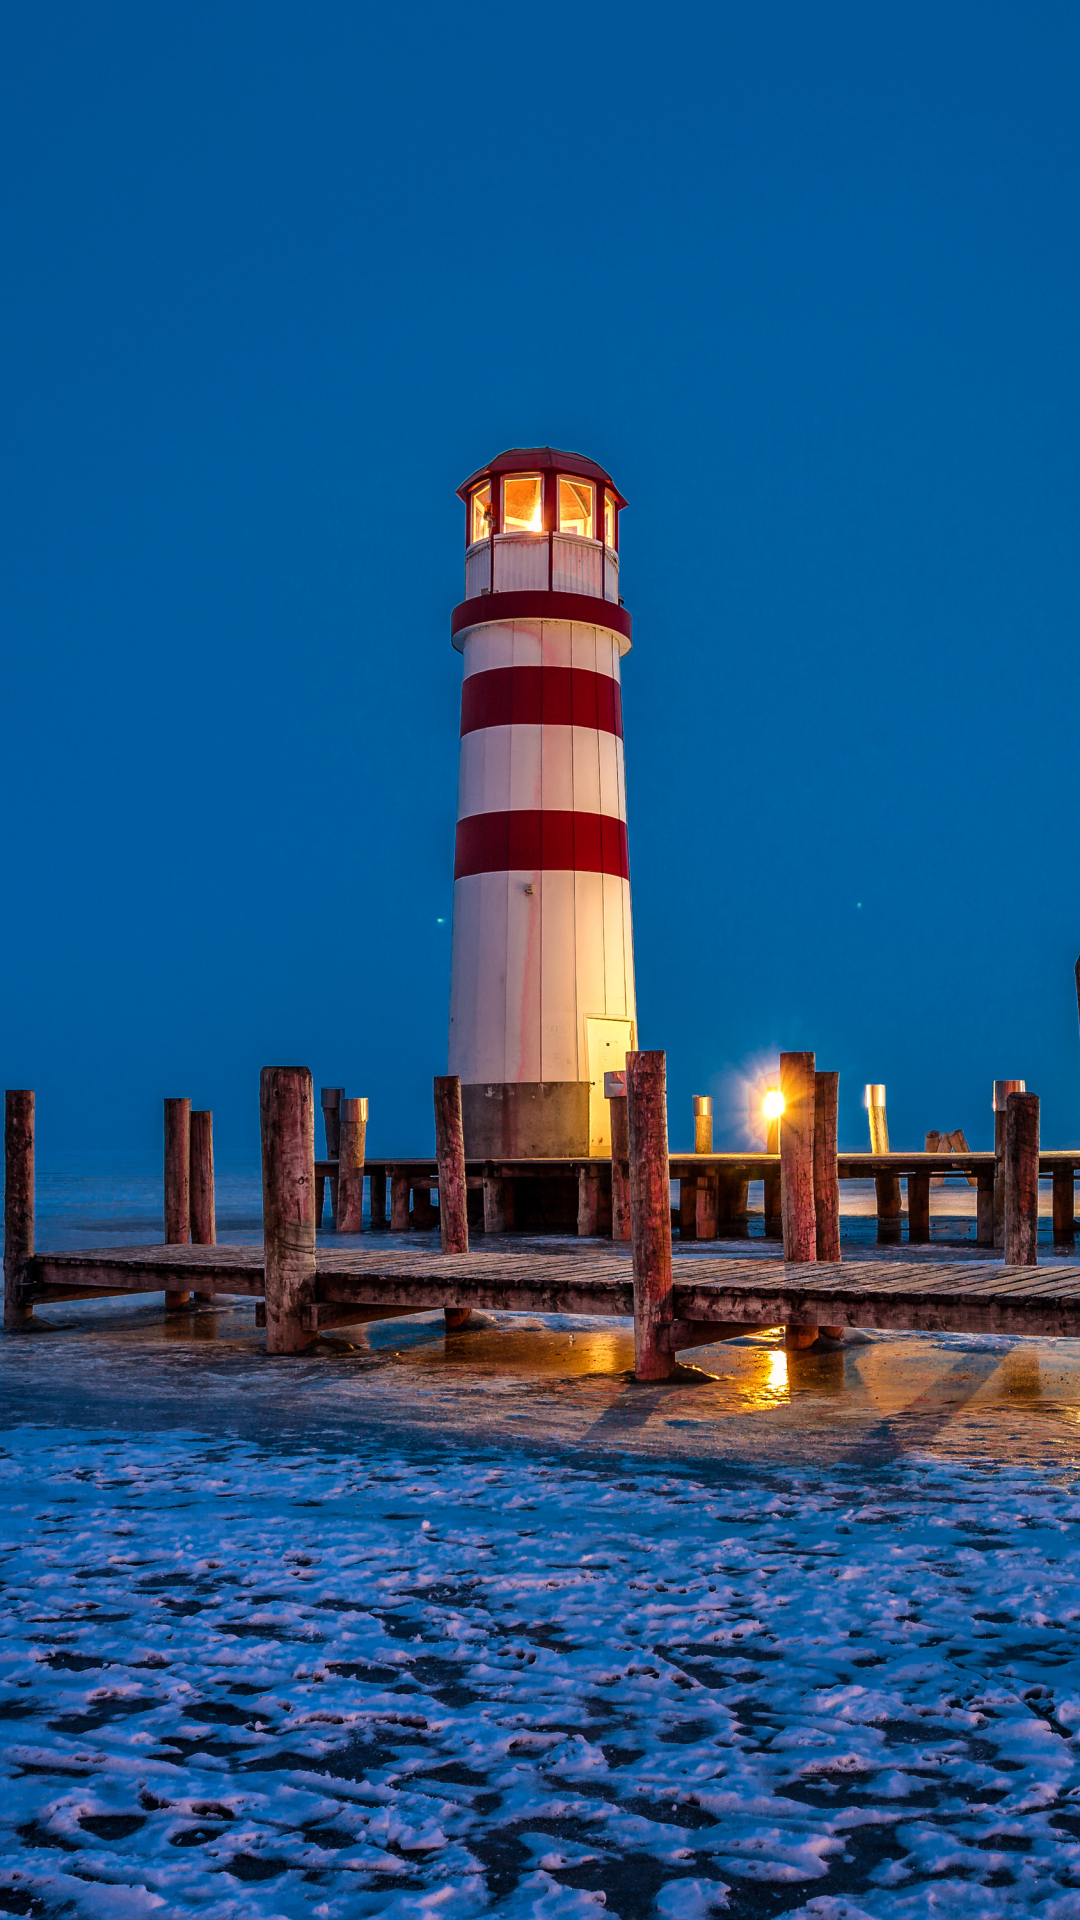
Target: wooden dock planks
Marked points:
923	1296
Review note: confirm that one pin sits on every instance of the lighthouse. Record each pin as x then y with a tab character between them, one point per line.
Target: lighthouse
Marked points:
542	966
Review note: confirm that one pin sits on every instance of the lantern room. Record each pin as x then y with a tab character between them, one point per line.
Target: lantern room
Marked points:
537	518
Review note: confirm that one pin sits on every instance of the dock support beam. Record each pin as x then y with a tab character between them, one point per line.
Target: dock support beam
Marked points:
1022	1180
377	1191
18	1201
984	1210
774	1211
201	1185
330	1099
918	1208
177	1186
453	1189
650	1215
287	1112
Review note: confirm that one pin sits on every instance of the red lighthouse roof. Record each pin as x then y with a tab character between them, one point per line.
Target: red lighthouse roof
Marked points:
537	459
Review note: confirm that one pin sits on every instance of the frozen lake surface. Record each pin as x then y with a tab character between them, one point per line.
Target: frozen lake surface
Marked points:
425	1624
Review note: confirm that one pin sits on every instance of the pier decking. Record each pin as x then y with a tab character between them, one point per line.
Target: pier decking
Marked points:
712	1297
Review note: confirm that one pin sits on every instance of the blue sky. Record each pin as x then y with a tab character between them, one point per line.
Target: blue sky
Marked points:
278	277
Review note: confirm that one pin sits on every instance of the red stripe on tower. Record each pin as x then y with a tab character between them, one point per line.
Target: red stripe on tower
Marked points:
548	696
541	840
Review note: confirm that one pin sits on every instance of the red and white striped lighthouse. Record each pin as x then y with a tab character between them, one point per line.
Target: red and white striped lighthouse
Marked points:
542	972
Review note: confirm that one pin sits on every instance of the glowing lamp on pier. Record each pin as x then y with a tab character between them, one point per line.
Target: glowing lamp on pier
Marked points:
542	968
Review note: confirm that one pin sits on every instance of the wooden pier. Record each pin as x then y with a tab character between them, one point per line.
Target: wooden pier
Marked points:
712	1297
677	1300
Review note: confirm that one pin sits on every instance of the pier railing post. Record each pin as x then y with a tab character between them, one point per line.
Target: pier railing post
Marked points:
615	1094
1002	1090
650	1215
1022	1180
918	1208
349	1210
177	1186
453	1190
287	1113
774	1211
18	1201
201	1185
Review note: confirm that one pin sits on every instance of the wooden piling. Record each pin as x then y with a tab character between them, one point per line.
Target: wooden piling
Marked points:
826	1184
287	1112
650	1215
377	1198
588	1210
330	1099
874	1097
797	1156
400	1193
351	1134
1002	1090
984	1210
177	1186
918	1208
1064	1207
688	1207
201	1185
890	1207
707	1195
615	1088
1022	1179
494	1202
450	1153
18	1201
424	1216
453	1189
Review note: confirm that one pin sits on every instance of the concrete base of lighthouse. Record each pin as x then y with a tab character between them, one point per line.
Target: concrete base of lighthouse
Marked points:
526	1119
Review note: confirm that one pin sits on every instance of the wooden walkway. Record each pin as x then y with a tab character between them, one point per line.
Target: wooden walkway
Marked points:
711	1297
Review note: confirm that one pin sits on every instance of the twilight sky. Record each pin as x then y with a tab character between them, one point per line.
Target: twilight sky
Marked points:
277	277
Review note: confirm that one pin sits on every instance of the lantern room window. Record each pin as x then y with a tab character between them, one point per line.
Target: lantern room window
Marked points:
576	507
521	504
609	519
480	516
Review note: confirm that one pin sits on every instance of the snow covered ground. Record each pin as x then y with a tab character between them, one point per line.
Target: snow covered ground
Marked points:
253	1679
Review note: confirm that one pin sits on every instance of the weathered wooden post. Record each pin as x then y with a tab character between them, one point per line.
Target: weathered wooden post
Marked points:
400	1195
1064	1206
886	1185
1022	1179
588	1205
453	1190
797	1172
774	1213
201	1184
1002	1090
352	1131
615	1094
18	1201
330	1099
287	1113
377	1198
650	1215
918	1207
177	1186
424	1216
826	1183
707	1209
797	1156
984	1209
494	1201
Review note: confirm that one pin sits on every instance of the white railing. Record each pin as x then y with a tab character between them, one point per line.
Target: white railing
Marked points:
526	561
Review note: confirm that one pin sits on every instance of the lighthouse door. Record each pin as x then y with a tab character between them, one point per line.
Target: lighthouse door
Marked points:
609	1042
